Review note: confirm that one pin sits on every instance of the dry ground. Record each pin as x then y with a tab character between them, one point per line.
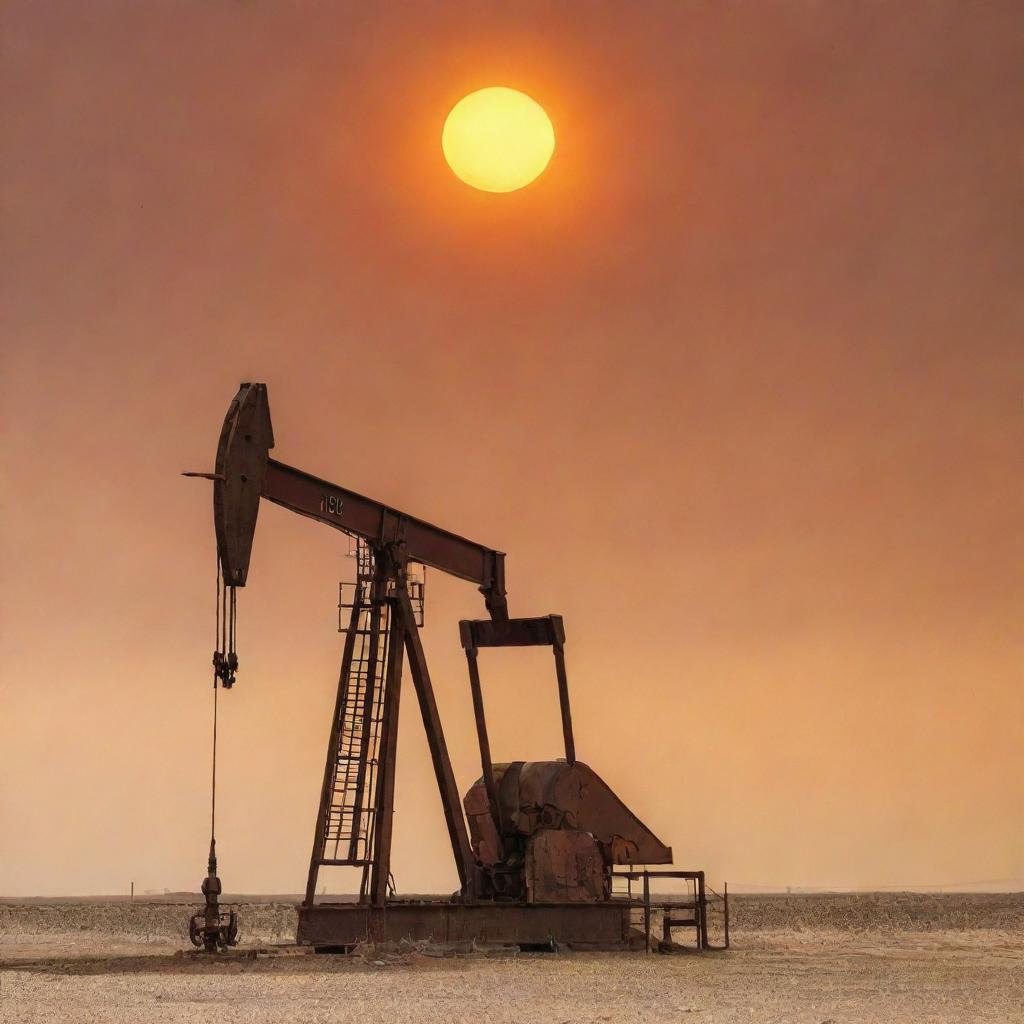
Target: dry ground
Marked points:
801	959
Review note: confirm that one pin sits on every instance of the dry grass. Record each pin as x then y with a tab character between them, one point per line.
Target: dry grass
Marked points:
798	959
897	911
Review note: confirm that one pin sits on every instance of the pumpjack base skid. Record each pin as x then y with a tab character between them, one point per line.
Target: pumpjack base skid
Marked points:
338	927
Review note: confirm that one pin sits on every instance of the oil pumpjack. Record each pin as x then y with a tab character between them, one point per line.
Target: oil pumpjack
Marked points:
535	843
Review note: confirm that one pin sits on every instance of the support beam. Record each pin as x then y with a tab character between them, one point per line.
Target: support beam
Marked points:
379	525
385	811
563	703
542	631
486	765
453	816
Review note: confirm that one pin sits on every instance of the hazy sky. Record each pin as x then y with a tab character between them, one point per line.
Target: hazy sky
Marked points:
736	384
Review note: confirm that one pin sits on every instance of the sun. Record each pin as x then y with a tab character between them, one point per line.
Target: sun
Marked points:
497	139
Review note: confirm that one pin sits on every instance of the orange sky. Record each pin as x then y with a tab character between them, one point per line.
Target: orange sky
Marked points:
736	384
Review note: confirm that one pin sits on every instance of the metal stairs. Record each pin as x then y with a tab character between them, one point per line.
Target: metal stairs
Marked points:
351	812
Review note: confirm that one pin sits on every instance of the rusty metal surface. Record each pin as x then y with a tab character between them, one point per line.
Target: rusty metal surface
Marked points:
380	524
563	704
564	865
213	929
540	631
487	845
553	794
241	464
583	926
531	849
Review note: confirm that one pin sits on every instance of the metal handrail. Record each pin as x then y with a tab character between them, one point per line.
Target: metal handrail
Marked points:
699	904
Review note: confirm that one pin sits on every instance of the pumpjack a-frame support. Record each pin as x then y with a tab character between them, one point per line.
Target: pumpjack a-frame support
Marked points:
403	640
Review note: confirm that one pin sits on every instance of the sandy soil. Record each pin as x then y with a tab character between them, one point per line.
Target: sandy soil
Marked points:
800	960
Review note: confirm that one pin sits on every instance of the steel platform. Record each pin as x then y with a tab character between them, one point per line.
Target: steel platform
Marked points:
595	926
